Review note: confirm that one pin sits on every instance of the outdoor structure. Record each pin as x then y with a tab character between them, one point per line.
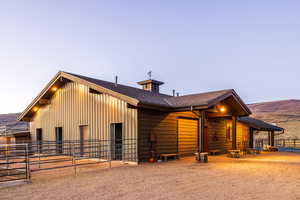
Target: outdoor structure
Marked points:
137	123
258	126
13	131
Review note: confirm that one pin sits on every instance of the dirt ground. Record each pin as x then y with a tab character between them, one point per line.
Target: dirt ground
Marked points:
266	176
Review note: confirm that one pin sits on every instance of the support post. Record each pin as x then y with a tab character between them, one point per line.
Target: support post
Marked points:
201	131
234	119
272	138
269	138
251	143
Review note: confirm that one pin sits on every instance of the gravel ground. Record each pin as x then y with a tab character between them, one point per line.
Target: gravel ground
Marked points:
266	176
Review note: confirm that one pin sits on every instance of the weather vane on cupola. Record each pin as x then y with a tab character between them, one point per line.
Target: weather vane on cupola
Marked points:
150	74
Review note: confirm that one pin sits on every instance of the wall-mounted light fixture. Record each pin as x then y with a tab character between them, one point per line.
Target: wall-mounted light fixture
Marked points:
35	109
222	109
54	89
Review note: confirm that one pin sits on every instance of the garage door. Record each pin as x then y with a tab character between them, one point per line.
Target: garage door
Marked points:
187	136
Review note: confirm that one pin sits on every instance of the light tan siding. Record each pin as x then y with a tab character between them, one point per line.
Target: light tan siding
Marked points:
73	106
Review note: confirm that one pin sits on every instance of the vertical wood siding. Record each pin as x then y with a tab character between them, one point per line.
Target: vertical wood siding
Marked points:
217	134
73	106
164	125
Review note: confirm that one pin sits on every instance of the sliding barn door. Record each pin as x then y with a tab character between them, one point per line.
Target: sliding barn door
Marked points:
187	136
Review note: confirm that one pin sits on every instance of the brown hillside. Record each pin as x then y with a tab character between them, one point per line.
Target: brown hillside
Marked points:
282	113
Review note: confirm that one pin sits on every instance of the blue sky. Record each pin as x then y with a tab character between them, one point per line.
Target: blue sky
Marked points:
193	46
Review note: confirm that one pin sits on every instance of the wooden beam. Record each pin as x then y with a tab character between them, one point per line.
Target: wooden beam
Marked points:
269	138
251	144
234	119
26	119
201	131
91	90
44	101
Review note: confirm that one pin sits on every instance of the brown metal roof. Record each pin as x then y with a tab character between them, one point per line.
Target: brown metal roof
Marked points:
259	124
200	99
140	97
145	97
204	100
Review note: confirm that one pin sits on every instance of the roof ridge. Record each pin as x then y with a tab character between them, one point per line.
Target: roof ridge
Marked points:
194	94
96	79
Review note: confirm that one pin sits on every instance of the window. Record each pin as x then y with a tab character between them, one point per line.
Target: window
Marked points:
228	131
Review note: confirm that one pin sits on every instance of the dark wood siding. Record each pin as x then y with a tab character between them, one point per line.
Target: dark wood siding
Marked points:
163	126
217	134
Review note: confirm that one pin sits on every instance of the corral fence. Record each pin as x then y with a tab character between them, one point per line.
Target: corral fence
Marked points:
19	161
14	162
280	143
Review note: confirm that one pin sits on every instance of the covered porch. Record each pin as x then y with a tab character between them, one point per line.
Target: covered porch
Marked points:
257	126
219	127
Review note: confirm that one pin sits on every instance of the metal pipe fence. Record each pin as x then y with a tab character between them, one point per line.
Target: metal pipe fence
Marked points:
30	157
14	162
284	143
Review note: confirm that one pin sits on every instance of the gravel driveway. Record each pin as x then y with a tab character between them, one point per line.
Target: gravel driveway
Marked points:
266	176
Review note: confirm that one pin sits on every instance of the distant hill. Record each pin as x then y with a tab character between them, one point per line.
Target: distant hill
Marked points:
8	118
9	122
284	113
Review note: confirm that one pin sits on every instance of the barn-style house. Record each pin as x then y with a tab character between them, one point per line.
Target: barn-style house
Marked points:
76	107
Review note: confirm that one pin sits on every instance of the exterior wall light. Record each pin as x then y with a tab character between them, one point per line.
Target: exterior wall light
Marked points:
222	109
54	89
35	109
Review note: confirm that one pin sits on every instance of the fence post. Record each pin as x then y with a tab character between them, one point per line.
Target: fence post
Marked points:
28	171
38	147
109	154
74	160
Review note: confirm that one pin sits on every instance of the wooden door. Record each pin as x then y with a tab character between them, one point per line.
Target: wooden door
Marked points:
84	139
116	141
187	136
59	139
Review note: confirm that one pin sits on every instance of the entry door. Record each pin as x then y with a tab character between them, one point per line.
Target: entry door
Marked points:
187	136
58	139
39	138
116	141
206	141
84	137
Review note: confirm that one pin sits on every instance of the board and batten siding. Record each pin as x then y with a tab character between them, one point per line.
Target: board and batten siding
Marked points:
73	106
164	126
217	134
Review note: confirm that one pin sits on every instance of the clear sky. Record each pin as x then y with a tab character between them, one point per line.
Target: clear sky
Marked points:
193	46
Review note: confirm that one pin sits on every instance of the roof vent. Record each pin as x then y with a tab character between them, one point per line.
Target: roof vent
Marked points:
116	81
150	84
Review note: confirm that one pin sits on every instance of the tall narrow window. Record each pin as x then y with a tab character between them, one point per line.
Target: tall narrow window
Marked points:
228	131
